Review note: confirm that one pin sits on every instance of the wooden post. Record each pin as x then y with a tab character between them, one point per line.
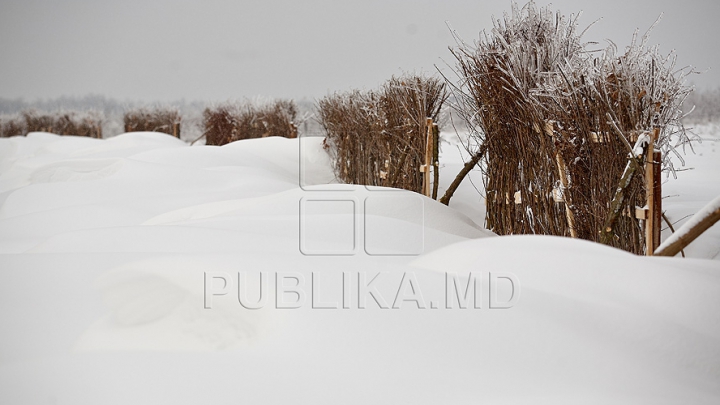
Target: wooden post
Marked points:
652	191
435	162
650	197
428	158
657	197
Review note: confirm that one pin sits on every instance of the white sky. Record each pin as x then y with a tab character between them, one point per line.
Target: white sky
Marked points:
213	50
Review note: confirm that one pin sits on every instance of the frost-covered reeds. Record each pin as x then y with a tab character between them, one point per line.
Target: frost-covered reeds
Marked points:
379	137
229	122
556	123
12	125
157	119
86	123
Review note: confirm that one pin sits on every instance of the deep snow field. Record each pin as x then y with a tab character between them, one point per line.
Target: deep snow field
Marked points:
123	263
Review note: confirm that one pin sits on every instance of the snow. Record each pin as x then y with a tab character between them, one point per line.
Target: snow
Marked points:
640	145
695	186
123	262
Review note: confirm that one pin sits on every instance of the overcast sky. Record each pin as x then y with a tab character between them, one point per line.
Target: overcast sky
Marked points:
214	50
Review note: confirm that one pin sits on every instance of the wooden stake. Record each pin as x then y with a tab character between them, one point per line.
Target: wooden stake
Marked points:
428	158
435	158
657	198
650	196
607	233
652	190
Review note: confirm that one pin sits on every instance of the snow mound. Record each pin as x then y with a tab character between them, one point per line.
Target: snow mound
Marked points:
154	305
125	262
76	170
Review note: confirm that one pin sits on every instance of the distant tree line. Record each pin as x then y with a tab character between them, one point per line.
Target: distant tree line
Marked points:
706	104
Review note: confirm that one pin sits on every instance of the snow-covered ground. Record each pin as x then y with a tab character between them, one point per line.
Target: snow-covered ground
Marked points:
128	268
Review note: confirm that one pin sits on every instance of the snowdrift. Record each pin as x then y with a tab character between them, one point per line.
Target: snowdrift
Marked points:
130	267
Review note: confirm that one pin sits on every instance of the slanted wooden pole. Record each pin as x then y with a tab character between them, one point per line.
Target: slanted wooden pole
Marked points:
469	165
203	135
616	206
398	168
634	165
699	223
